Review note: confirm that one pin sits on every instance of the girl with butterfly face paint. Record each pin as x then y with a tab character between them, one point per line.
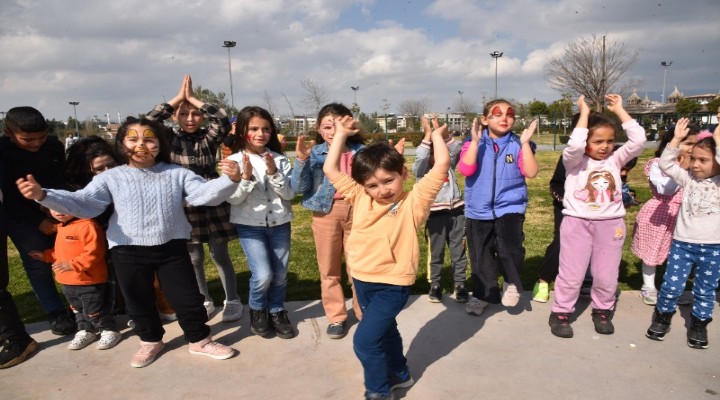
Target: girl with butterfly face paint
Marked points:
495	163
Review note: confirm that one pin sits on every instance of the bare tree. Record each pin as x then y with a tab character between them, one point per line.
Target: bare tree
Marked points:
464	105
413	110
590	66
315	96
292	114
268	102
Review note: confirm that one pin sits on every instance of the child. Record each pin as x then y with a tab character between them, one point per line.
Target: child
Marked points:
148	231
593	227
655	222
261	211
28	149
382	249
332	214
195	148
446	222
696	239
78	261
495	163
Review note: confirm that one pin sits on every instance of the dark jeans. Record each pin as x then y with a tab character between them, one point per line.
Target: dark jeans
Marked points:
136	267
11	326
495	245
377	342
89	305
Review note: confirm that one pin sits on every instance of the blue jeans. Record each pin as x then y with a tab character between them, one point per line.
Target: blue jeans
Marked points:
26	237
377	342
267	249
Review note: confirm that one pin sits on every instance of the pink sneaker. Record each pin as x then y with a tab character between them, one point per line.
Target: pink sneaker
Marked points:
211	348
147	353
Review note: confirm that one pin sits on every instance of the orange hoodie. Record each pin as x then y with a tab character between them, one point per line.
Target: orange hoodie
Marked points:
80	242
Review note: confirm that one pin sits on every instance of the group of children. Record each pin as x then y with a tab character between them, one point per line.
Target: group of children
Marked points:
167	199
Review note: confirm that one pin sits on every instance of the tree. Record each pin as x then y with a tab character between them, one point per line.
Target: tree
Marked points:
218	99
685	107
268	103
413	110
536	109
561	109
315	96
368	124
714	105
590	66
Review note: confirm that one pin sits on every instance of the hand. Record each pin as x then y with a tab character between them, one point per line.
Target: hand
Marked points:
399	146
583	107
269	163
36	255
247	169
615	104
438	130
681	129
60	267
180	96
302	148
48	226
427	130
30	189
346	125
231	169
475	130
528	132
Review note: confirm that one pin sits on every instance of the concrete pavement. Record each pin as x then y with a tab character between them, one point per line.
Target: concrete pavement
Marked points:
505	353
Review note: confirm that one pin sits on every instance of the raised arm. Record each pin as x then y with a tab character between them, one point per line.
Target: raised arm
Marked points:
530	166
470	156
344	127
440	150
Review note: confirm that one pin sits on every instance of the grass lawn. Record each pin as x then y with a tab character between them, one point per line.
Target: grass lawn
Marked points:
303	277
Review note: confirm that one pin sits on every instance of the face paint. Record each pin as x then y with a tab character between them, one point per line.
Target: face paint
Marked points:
510	112
496	112
142	147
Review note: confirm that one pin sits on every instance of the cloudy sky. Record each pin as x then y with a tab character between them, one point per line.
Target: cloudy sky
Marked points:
125	56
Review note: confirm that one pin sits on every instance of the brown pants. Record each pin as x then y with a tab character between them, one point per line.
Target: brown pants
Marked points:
330	232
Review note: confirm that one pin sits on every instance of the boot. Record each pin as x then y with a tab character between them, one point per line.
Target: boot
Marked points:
697	333
259	322
281	325
660	325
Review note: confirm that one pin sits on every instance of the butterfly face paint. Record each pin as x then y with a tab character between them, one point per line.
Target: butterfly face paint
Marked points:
500	120
142	145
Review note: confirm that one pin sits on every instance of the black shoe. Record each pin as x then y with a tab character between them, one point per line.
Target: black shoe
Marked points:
281	324
336	330
461	295
62	323
435	295
396	383
379	396
16	351
602	319
697	333
259	322
660	325
560	325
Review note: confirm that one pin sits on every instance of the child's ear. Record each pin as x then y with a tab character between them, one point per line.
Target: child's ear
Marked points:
405	173
483	121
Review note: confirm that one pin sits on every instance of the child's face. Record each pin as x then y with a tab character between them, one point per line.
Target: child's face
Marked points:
385	186
102	163
686	147
600	144
499	120
702	163
258	134
189	118
142	145
326	128
61	217
28	141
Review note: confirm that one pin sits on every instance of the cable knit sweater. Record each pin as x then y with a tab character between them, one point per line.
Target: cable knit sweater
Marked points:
148	201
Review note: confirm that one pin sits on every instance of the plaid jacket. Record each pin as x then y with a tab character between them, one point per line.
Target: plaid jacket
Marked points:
197	152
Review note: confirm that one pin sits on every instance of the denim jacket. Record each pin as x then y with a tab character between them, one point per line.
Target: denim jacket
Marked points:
309	179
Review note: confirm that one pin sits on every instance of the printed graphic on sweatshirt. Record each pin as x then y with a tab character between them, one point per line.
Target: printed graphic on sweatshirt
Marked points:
704	199
599	188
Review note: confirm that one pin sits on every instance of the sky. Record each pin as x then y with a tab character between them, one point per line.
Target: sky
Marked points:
123	57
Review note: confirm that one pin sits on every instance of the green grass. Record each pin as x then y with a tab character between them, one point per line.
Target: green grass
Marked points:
303	278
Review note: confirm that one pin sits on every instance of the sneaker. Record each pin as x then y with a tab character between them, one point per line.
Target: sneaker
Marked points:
259	322
435	295
281	324
82	339
475	306
167	317
541	292
697	333
461	295
649	295
16	351
602	319
108	340
379	396
131	324
660	325
686	299
212	349
336	330
210	307
147	353
560	325
396	382
63	323
511	296
232	310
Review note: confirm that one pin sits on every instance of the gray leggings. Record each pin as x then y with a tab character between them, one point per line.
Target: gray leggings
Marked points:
220	256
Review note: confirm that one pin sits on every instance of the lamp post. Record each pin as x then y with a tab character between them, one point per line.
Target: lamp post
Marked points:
386	107
228	44
462	110
665	65
447	117
77	128
496	54
356	108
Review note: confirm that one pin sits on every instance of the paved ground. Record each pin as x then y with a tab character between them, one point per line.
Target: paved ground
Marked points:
502	354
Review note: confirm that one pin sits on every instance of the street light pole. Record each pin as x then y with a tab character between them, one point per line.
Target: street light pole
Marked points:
77	128
356	107
496	54
462	111
229	45
665	65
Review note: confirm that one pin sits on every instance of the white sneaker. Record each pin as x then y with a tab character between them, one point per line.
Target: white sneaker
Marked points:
82	339
232	311
210	307
511	296
168	317
109	339
475	306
